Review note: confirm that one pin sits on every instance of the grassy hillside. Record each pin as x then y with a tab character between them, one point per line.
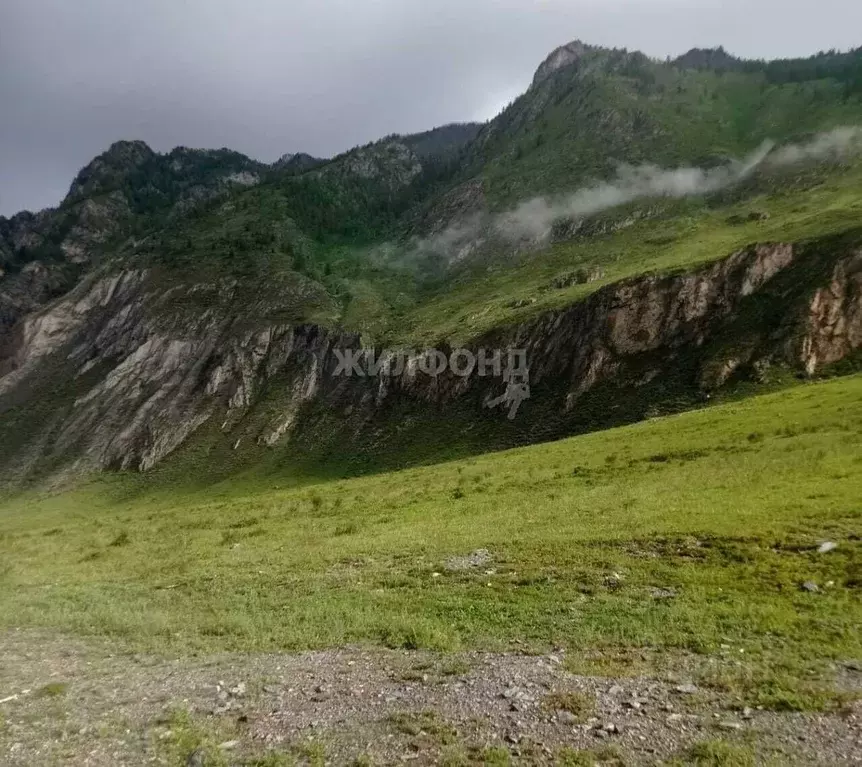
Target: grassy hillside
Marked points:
383	292
675	236
612	107
723	508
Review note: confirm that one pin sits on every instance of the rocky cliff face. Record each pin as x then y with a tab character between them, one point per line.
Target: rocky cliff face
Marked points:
833	324
127	188
640	329
562	57
389	162
43	255
142	376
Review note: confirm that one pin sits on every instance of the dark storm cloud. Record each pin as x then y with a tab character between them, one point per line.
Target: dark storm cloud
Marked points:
267	76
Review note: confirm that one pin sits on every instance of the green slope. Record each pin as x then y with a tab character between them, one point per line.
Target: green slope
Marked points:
612	107
726	506
677	236
718	511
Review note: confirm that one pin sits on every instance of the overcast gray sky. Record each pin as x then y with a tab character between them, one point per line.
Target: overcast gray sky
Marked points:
267	77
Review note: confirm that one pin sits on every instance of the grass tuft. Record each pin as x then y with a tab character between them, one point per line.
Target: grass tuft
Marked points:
53	690
579	704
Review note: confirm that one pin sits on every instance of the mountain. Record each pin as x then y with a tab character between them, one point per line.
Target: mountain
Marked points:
297	163
590	109
715	59
650	234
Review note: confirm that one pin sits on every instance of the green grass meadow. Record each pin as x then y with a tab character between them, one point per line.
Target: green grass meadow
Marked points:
725	507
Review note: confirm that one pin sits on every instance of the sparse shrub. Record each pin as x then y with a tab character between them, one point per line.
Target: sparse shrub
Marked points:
413	635
53	690
424	722
495	757
609	661
779	694
607	755
413	675
719	753
690	455
122	539
273	759
314	753
680	455
579	704
456	667
569	757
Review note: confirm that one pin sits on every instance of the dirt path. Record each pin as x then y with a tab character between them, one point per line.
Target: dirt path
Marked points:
69	701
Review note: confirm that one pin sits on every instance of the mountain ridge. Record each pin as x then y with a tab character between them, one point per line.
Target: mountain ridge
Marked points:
218	258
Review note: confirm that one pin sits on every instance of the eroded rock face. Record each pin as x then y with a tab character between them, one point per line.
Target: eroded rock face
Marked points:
167	373
390	163
564	56
149	375
593	341
834	322
43	255
26	291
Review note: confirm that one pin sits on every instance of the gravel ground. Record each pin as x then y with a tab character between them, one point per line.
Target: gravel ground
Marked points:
71	701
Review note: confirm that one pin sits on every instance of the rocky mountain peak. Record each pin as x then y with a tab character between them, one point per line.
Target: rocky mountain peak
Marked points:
104	172
125	149
564	56
297	162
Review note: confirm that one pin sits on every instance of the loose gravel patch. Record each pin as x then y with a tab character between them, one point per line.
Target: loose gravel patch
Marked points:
77	702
